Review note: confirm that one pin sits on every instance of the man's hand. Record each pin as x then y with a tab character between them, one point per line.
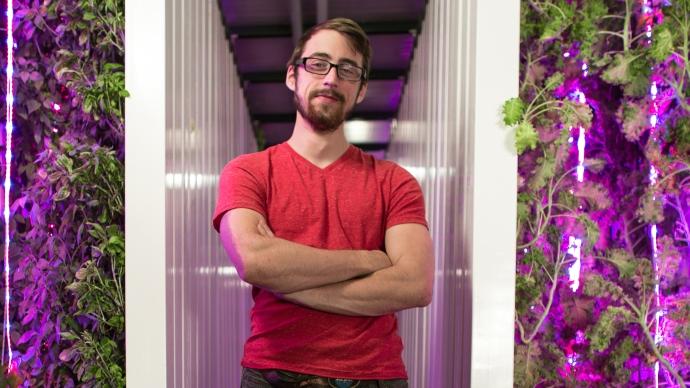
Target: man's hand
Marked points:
408	283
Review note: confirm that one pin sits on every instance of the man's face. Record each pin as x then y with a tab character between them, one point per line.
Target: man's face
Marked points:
326	100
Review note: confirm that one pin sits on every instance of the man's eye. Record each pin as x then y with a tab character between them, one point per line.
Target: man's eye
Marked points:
348	70
318	65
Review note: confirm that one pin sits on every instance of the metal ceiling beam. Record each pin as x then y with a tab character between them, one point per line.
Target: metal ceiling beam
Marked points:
296	18
321	11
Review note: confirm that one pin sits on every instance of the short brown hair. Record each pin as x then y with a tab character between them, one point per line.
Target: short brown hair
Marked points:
354	33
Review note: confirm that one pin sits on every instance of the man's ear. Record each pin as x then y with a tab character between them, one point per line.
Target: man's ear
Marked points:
362	92
290	78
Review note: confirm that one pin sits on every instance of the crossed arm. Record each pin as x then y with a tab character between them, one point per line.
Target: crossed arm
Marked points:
349	282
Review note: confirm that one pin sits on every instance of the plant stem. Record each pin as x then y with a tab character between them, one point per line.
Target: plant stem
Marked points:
626	26
547	309
659	356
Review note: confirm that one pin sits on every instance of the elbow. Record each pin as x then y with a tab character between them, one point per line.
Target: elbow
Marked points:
242	255
425	297
424	294
246	266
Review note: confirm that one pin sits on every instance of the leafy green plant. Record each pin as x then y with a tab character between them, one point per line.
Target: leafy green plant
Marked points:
67	252
590	65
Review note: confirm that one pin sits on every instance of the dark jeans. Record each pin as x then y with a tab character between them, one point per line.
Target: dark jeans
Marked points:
254	378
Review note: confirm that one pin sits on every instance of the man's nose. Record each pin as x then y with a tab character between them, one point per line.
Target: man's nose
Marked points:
331	77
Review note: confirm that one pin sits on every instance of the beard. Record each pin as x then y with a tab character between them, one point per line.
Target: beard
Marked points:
324	118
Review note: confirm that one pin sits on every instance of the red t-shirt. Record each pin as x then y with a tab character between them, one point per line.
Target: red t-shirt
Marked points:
347	205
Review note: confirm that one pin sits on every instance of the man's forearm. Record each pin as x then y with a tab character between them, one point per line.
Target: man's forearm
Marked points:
382	292
283	266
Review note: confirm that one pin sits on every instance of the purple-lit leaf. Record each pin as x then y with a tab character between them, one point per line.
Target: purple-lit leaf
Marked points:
554	81
635	120
536	73
32	106
30	351
26	337
596	195
624	262
30	315
594	165
618	72
68	354
545	171
651	209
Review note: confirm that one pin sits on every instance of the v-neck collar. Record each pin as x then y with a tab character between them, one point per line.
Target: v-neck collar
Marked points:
344	157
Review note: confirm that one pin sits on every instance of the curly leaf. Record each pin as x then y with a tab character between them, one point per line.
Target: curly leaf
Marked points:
651	210
634	121
597	286
662	44
545	171
611	322
523	207
576	114
527	290
668	259
513	110
553	28
525	137
554	81
591	229
596	195
624	262
618	72
568	200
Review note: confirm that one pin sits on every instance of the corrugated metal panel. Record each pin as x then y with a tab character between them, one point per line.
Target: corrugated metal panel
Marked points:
427	141
207	125
443	120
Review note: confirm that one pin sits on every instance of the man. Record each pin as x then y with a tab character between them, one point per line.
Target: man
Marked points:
333	241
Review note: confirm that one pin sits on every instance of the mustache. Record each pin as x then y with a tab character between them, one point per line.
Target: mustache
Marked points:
327	93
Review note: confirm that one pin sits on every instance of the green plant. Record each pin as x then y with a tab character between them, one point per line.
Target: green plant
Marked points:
586	71
67	252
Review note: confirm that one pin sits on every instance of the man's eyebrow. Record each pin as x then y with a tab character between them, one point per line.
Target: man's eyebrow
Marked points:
327	56
321	54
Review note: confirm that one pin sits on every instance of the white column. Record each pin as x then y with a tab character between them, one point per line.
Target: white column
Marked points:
145	193
494	192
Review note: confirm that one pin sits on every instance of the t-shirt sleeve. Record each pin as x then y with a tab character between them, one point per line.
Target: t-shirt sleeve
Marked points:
239	187
406	204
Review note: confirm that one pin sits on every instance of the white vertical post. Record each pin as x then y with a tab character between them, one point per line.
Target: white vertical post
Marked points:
494	193
145	192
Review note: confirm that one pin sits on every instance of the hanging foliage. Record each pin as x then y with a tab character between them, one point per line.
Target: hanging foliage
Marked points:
603	248
67	201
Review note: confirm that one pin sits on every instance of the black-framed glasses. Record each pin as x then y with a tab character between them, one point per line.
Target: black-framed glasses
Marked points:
346	71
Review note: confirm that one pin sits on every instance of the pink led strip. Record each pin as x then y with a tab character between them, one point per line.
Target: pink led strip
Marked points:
647	8
9	99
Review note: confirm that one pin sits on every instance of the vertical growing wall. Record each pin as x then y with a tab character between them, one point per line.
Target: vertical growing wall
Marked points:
448	136
186	308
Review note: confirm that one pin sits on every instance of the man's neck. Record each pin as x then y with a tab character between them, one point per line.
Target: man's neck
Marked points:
321	149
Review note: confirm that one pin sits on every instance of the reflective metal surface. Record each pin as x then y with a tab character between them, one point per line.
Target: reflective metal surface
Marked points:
448	136
207	125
